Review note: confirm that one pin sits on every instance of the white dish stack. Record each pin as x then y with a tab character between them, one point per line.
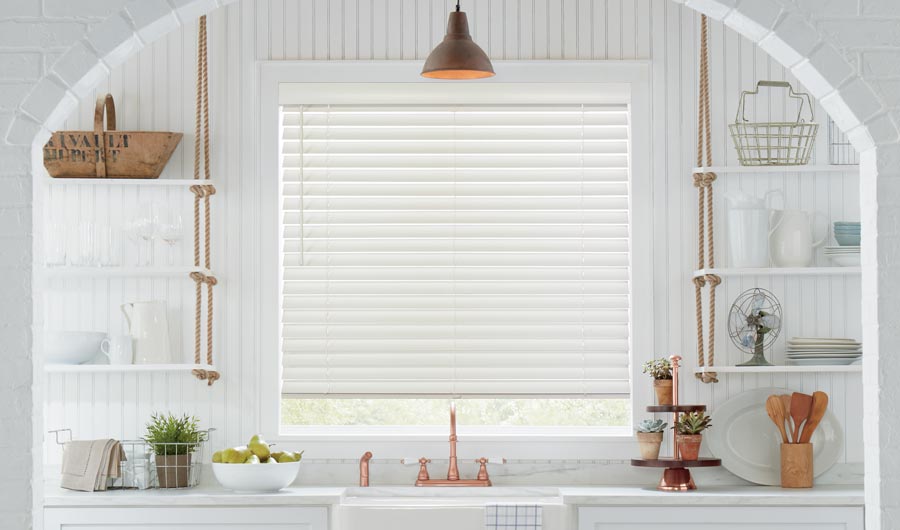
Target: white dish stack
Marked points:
810	351
843	256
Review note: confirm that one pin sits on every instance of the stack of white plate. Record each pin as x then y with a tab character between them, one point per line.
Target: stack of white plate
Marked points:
843	256
805	351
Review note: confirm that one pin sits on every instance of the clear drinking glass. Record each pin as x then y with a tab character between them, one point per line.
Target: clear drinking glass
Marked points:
171	231
107	246
56	241
80	247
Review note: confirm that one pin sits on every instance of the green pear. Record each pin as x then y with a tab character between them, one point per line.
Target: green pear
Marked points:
276	455
253	459
217	457
235	455
259	447
284	458
271	461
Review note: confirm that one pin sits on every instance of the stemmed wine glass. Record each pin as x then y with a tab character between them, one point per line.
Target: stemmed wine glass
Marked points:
171	231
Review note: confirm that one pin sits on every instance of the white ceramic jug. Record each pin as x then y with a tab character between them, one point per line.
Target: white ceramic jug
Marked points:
791	241
149	327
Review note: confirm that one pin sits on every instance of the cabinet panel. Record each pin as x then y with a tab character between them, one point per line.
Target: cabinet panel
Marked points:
718	517
187	518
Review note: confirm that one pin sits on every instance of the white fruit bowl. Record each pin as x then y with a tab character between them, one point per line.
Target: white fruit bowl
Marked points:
256	478
72	347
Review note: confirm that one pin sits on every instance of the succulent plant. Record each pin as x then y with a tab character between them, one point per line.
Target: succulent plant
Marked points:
652	426
692	423
658	369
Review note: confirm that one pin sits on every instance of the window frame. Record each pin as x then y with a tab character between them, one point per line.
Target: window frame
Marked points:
624	79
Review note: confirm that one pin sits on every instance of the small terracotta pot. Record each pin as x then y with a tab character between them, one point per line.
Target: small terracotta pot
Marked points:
649	443
689	446
173	471
663	388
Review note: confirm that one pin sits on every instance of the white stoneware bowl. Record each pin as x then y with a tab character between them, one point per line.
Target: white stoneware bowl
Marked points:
256	478
72	347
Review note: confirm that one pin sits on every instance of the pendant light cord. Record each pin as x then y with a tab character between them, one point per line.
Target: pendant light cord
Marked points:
457	6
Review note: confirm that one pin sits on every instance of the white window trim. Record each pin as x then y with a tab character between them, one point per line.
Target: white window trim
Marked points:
626	77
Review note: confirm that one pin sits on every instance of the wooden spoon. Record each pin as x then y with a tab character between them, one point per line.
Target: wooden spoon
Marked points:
800	407
776	414
786	407
819	404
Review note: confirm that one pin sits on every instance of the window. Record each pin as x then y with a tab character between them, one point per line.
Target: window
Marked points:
466	241
449	250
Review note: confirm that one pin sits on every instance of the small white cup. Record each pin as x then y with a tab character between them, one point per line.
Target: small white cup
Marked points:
118	349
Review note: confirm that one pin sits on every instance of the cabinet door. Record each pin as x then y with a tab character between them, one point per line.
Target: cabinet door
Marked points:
187	518
721	517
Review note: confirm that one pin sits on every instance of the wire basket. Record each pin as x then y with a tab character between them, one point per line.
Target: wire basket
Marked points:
774	143
152	466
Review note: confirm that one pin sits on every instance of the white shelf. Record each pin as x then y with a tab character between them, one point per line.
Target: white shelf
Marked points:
186	183
846	368
778	169
782	271
112	368
120	272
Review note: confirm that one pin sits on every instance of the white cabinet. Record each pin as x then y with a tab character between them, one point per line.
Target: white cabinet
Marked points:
721	517
187	518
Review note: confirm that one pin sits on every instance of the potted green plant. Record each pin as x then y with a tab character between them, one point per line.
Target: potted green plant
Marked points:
689	433
173	440
650	437
661	372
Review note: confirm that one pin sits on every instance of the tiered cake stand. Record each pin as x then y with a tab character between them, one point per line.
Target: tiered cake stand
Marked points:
676	475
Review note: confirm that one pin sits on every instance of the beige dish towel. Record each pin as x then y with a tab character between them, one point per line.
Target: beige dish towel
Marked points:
87	464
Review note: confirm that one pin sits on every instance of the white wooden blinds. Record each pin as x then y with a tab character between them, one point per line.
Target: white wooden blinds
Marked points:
455	250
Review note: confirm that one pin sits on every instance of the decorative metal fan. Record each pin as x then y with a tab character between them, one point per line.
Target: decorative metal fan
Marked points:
754	323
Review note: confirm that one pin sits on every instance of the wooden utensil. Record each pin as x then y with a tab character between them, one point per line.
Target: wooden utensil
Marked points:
776	414
786	407
819	404
800	407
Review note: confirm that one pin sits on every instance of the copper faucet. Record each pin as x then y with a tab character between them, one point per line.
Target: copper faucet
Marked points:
364	469
453	471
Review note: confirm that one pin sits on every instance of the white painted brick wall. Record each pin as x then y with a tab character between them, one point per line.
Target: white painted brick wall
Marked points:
856	52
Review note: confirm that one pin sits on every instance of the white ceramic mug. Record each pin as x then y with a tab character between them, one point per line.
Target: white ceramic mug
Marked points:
118	349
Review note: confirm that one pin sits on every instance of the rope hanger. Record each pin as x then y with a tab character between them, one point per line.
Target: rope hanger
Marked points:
204	192
703	181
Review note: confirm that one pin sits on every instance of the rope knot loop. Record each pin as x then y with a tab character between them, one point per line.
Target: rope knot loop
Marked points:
704	180
713	280
198	277
699	281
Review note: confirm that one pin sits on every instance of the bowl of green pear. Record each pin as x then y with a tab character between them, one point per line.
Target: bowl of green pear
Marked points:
255	468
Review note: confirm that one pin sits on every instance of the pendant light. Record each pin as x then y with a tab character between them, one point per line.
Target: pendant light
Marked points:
457	56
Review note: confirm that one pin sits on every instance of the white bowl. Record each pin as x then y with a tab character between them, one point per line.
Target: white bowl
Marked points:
256	478
72	347
850	260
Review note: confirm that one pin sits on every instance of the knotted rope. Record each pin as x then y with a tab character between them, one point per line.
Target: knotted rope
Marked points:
204	192
703	181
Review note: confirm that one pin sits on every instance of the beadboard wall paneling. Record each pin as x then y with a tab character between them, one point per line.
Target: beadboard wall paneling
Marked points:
155	90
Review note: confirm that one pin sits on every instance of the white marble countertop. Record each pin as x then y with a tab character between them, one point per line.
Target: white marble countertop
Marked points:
213	495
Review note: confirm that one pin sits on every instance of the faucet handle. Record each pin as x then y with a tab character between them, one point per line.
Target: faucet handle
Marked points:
423	468
482	470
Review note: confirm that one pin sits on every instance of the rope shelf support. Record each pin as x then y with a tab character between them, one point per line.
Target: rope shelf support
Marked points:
703	181
202	193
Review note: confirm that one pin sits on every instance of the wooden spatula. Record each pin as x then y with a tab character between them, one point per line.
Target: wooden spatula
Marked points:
776	412
819	404
800	407
786	407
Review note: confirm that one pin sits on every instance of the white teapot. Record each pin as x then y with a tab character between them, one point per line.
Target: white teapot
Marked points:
791	242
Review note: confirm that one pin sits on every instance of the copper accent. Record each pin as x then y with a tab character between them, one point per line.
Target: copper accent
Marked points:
453	479
676	361
364	469
457	56
676	479
423	469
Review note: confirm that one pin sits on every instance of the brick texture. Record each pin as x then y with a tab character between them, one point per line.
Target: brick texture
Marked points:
848	50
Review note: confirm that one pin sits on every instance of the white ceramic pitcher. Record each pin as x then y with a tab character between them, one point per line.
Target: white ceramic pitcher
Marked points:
791	242
149	327
748	228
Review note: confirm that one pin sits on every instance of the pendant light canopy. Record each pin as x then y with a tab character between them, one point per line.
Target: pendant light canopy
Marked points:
457	56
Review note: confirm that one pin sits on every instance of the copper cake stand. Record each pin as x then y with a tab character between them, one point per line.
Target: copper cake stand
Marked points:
676	475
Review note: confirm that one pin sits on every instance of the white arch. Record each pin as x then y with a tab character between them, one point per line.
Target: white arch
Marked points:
777	26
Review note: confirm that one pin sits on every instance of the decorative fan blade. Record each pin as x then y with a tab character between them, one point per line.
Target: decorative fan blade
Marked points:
738	320
748	338
757	302
771	321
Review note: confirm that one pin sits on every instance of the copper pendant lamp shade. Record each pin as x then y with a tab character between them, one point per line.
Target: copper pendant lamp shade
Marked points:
457	56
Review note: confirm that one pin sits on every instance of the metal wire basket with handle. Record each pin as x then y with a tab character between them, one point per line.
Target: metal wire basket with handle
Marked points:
774	143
